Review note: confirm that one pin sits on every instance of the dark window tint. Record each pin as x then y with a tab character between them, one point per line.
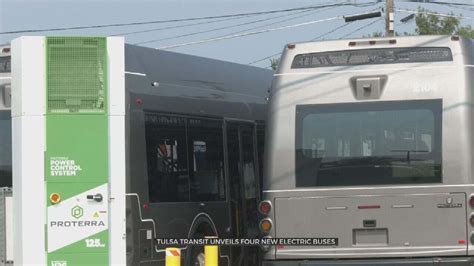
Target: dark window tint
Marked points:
372	57
368	143
247	133
5	149
250	179
260	150
233	159
5	64
185	159
167	158
207	173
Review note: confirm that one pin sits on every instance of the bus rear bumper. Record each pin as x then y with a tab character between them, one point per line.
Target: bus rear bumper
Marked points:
455	261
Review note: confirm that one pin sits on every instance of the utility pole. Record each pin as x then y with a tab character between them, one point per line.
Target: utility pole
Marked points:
389	18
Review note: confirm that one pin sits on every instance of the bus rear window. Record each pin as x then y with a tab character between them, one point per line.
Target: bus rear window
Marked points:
378	143
373	57
5	149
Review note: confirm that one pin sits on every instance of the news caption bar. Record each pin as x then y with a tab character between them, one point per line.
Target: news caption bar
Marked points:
248	241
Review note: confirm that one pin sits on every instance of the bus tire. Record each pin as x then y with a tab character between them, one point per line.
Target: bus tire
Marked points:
195	254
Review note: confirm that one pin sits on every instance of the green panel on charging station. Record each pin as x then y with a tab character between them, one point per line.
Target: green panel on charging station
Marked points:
76	159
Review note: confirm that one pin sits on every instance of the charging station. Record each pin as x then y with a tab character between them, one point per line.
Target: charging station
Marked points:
68	116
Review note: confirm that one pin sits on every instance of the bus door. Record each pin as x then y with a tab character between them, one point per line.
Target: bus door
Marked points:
244	186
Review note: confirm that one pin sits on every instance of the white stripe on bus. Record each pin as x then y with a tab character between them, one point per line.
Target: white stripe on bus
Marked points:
135	73
364	70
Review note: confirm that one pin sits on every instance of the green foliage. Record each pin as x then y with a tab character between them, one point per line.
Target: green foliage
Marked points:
467	32
430	24
274	63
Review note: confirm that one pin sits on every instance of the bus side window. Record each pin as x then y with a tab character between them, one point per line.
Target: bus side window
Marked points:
5	149
207	160
168	176
260	152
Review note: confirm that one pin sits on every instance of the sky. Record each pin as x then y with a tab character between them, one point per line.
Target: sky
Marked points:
41	14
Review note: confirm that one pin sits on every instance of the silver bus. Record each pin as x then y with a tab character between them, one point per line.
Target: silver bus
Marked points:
371	141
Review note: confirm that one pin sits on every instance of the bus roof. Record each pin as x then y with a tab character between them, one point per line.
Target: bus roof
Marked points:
196	85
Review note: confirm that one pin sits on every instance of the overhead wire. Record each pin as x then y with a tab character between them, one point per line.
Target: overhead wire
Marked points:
310	12
177	26
315	38
209	22
175	20
281	21
350	33
222	28
231	36
439	3
462	6
431	13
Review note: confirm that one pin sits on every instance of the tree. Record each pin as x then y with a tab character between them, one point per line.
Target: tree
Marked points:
274	63
431	24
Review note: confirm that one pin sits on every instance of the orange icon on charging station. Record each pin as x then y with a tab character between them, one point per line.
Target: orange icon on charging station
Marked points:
55	198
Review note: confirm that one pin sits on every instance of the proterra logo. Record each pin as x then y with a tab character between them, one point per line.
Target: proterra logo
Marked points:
77	212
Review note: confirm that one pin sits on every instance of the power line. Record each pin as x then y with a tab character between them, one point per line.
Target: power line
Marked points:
331	31
248	33
202	23
280	21
177	20
315	38
177	26
431	13
221	28
356	30
311	12
462	6
231	36
439	3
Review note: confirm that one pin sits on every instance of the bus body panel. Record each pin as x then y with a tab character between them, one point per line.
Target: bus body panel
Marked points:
401	224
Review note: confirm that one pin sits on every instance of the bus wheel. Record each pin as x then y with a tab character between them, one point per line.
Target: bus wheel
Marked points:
200	259
197	254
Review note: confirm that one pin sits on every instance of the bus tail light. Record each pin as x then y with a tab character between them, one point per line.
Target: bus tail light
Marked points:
265	225
471	201
372	42
471	220
265	207
472	238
